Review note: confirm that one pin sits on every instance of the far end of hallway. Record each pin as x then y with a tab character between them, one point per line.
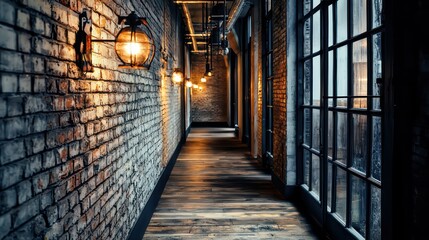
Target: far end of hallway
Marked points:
216	192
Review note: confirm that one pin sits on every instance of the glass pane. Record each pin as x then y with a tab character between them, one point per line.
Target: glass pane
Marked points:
315	180
307	82
307	37
360	142
315	3
341	193
329	193
341	20
268	5
375	223
376	12
316	129
331	25
377	68
359	16
342	137
307	6
270	65
316	31
307	126
331	77
316	81
358	205
376	148
330	134
307	156
360	73
342	73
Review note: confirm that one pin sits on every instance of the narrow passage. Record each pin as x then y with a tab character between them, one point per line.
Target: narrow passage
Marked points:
216	192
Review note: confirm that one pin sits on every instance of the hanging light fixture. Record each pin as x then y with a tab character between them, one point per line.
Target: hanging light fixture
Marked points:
203	79
195	86
189	84
134	44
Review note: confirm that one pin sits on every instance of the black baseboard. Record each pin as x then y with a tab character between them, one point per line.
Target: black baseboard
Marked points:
209	124
143	221
288	191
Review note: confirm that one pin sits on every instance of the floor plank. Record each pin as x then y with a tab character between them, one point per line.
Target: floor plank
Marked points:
216	192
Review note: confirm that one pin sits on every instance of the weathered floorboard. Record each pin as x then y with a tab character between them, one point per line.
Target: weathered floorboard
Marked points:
216	192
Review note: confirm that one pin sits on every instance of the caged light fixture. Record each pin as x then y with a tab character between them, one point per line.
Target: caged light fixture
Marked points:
177	75
134	43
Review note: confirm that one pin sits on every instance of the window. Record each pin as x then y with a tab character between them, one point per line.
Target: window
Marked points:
339	114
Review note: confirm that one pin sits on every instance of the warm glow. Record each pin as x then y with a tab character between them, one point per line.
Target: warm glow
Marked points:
203	79
132	48
195	86
200	88
209	73
189	84
177	76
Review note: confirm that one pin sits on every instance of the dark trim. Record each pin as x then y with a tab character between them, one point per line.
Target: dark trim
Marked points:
288	191
143	221
188	130
209	124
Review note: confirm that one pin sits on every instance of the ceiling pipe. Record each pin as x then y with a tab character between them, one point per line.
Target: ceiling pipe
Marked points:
190	26
196	1
238	9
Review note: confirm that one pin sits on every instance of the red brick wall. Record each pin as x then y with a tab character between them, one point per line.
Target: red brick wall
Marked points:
279	88
80	153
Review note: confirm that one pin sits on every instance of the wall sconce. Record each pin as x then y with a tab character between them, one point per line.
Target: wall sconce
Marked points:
195	86
203	79
189	84
134	43
177	75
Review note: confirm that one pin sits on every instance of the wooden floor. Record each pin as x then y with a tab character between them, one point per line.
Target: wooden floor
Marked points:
216	192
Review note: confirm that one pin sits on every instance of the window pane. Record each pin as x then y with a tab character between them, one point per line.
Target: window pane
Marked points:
316	81
331	77
316	31
331	25
270	65
329	190
315	3
360	73
342	73
360	142
341	193
316	129
307	156
376	12
315	180
341	20
377	68
307	6
307	126
342	137
307	82
359	16
330	134
358	205
307	37
375	213
376	148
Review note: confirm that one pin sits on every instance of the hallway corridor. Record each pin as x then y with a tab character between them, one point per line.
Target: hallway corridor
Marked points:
216	192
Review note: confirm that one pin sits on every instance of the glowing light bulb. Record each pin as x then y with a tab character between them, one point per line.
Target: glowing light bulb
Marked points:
189	84
203	79
195	86
133	48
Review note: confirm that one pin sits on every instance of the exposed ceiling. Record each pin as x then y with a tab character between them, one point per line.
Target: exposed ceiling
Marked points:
198	22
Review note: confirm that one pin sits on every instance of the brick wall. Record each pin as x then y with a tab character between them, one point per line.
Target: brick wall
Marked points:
80	153
210	104
279	88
